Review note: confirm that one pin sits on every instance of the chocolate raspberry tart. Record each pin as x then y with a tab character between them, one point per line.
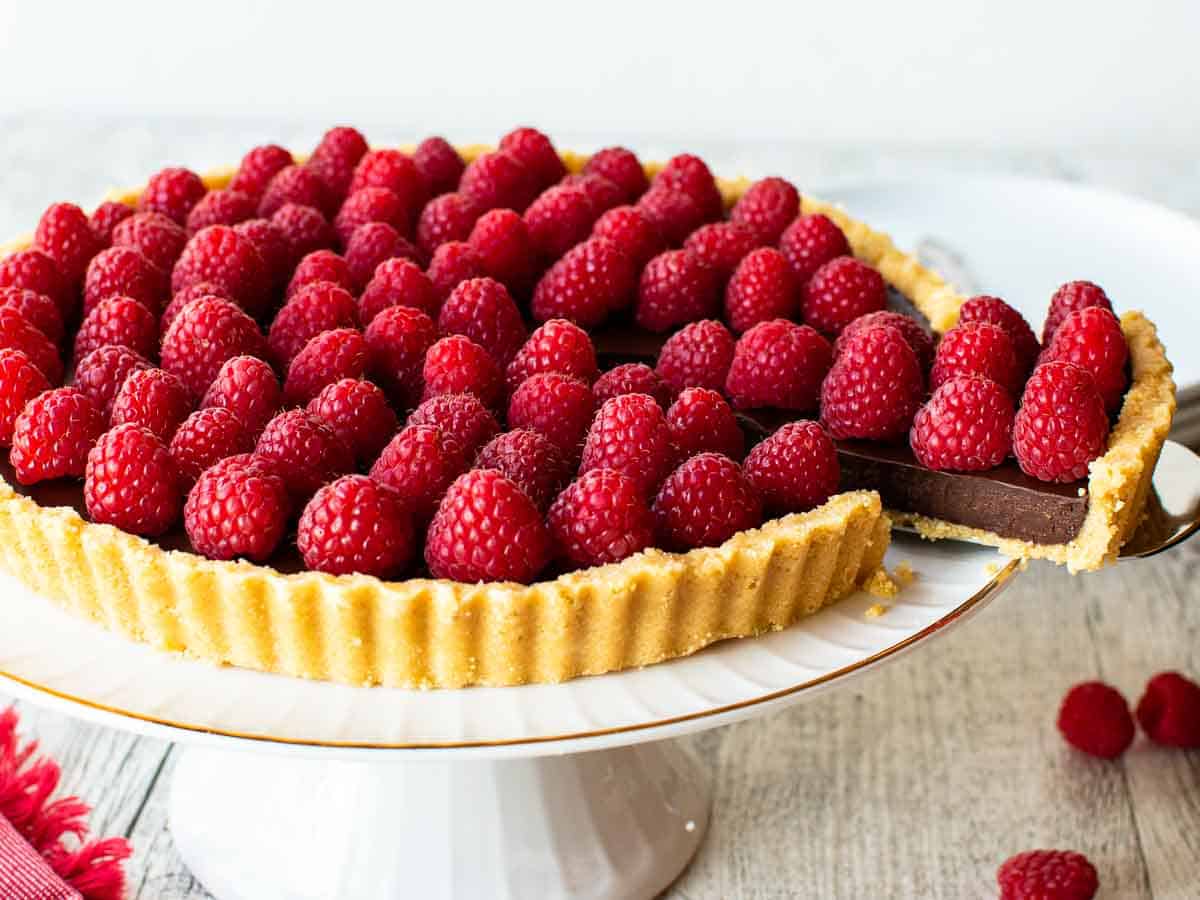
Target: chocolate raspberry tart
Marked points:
442	417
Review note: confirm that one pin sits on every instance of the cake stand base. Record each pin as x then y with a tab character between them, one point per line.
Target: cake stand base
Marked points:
605	824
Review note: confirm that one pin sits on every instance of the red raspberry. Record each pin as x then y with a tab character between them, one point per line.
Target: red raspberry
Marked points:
779	364
701	422
220	255
396	282
697	355
622	168
1095	718
977	348
299	185
558	406
874	388
154	236
336	156
631	378
419	463
20	382
370	246
16	333
37	309
395	171
1061	425
124	271
1047	875
722	245
33	270
117	320
320	265
501	241
306	450
1072	296
52	436
206	437
453	263
690	175
238	507
372	204
439	164
997	312
560	217
328	357
461	418
762	288
1092	339
304	229
916	336
555	346
810	242
632	232
258	167
65	235
106	217
223	207
314	308
482	310
498	179
248	388
154	399
676	288
205	334
173	192
603	194
531	460
839	292
1169	711
674	214
272	246
592	280
359	415
704	502
458	365
130	482
101	373
768	207
795	469
966	426
486	529
537	153
445	218
601	518
186	296
630	434
356	525
397	341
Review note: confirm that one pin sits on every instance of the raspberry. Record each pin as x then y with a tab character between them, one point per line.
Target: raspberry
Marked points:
306	450
117	320
874	388
37	309
1072	296
630	434
299	185
1061	425
304	229
206	437
631	378
779	364
359	415
124	271
458	365
130	482
356	525
317	307
220	255
16	333
555	346
34	271
52	436
223	207
154	236
768	207
320	265
603	194
916	336
186	296
396	282
558	219
632	232
690	175
1095	718
794	469
592	280
20	382
704	502
810	242
1169	711
453	263
1092	339
101	373
336	156
622	168
205	334
498	179
535	151
372	204
966	426
762	288
238	507
370	246
1047	875
65	235
482	310
675	288
328	357
531	460
461	418
419	463
258	167
722	245
697	355
486	529
439	164
272	246
173	192
839	292
395	171
674	214
501	241
601	518
445	218
976	348
997	312
558	406
106	217
700	421
154	399
248	388
397	341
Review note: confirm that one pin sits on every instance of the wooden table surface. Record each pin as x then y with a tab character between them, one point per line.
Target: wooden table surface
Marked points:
915	782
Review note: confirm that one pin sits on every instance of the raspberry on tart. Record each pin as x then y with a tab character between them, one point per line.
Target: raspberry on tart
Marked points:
916	336
37	309
700	421
317	307
206	437
206	333
722	245
558	406
768	207
602	517
258	167
557	345
458	365
630	434
371	246
794	469
453	263
622	168
1091	338
705	502
481	309
130	481
397	340
320	265
631	378
356	525
445	218
101	373
33	270
116	320
123	271
54	434
419	463
697	355
20	382
460	417
336	156
558	219
634	233
1061	425
1070	297
591	281
501	241
778	364
439	164
359	414
153	235
307	451
676	288
248	388
172	192
874	388
154	399
238	507
397	282
810	242
223	207
532	461
762	288
976	348
329	357
966	426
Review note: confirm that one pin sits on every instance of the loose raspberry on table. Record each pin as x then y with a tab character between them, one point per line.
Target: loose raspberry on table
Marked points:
328	357
65	235
186	296
397	282
307	451
1169	710
248	388
795	469
690	175
53	434
501	241
632	232
704	502
486	529
457	365
118	320
498	179
317	307
20	382
1095	718
445	218
557	345
239	507
130	482
359	414
258	167
630	434
272	246
593	279
419	463
1061	425
768	207
676	288
154	399
603	194
154	236
37	309
535	150
17	334
762	288
1072	296
701	421
622	168
206	437
106	217
220	255
839	292
461	418
481	309
558	219
370	246
916	336
320	265
206	333
810	242
336	156
558	406
299	185
1092	339
966	426
373	204
697	355
397	341
673	213
34	271
304	229
395	171
221	207
602	517
631	378
874	388
173	192
722	245
1047	875
453	263
124	271
994	310
779	364
977	348
356	525
531	460
439	164
101	373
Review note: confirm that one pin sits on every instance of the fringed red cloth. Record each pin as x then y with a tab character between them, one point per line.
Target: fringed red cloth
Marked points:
45	853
